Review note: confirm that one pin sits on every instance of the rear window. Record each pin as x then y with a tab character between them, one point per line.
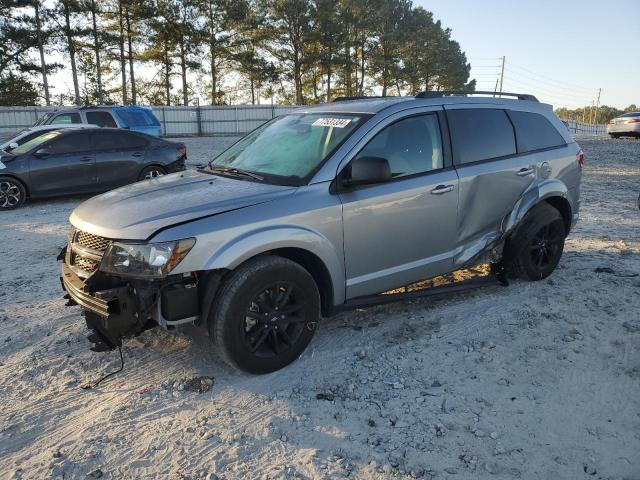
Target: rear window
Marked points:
102	119
480	134
137	118
534	131
118	140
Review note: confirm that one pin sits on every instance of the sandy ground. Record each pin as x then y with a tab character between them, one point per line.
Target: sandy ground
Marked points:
534	381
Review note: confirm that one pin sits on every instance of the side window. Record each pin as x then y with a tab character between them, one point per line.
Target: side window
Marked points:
534	131
75	142
102	119
412	145
480	134
66	118
118	140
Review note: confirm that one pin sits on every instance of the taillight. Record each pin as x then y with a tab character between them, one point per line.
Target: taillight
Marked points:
580	158
633	120
183	150
612	122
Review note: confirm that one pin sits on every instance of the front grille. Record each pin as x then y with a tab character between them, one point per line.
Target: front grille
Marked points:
92	241
85	251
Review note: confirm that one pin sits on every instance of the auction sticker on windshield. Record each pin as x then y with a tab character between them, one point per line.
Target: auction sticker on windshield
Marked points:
332	122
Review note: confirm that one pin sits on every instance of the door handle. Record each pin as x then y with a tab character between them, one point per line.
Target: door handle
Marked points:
86	158
440	189
525	171
137	154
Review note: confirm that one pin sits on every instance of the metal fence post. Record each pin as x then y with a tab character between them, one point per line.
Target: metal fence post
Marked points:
199	119
237	122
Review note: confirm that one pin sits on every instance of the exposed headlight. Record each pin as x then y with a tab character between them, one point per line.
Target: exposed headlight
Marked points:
148	260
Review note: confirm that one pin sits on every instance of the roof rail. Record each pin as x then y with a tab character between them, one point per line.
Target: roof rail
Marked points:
360	97
446	93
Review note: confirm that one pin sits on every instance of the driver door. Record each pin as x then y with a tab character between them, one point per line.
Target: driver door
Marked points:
403	230
66	165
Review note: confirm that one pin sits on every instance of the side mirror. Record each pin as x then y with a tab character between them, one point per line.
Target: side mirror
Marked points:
42	152
367	171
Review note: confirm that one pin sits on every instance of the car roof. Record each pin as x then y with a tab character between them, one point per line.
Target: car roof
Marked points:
375	105
60	126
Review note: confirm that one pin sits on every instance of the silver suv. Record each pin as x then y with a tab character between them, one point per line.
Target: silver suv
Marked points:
325	209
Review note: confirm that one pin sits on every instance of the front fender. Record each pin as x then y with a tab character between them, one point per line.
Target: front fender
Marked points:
539	192
255	242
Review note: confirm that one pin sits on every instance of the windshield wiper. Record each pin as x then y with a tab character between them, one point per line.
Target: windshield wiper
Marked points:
235	171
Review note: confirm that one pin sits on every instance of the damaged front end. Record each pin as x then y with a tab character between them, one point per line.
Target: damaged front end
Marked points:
118	305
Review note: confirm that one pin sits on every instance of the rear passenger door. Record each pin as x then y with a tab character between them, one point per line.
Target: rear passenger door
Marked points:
493	175
119	157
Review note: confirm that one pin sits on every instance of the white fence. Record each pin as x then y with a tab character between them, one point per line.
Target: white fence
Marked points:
175	121
213	120
578	128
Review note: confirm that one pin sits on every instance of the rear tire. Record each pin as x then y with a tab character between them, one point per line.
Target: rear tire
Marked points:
150	172
12	193
614	135
534	250
265	314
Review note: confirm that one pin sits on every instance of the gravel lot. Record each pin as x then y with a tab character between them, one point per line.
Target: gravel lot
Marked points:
534	381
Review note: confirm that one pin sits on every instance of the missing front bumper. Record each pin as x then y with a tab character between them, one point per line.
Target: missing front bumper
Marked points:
116	308
112	313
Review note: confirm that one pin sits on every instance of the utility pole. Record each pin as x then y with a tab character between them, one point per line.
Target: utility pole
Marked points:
595	119
502	72
591	112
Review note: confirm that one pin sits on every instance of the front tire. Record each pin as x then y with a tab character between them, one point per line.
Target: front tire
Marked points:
12	193
265	314
535	249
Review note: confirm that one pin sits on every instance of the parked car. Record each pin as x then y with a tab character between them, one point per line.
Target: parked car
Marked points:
138	119
70	161
11	140
325	209
626	125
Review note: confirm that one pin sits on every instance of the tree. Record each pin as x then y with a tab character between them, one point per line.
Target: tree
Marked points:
328	36
17	90
66	8
160	49
223	28
289	25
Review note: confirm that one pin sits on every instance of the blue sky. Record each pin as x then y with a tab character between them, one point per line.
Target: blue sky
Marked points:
562	50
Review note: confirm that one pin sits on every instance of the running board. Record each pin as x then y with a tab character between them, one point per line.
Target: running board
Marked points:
380	299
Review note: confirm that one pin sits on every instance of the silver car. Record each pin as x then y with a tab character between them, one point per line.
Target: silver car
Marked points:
326	209
626	125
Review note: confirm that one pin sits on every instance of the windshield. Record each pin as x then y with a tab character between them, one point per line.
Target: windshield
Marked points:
34	142
42	120
289	149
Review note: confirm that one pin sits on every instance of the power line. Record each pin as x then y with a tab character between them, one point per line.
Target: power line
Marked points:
566	84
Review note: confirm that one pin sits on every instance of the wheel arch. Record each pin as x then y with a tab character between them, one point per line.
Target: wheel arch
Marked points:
308	248
553	192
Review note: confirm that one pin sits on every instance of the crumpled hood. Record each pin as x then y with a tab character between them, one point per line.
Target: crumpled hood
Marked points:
137	211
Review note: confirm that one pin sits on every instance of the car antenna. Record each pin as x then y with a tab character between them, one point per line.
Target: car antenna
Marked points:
90	385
